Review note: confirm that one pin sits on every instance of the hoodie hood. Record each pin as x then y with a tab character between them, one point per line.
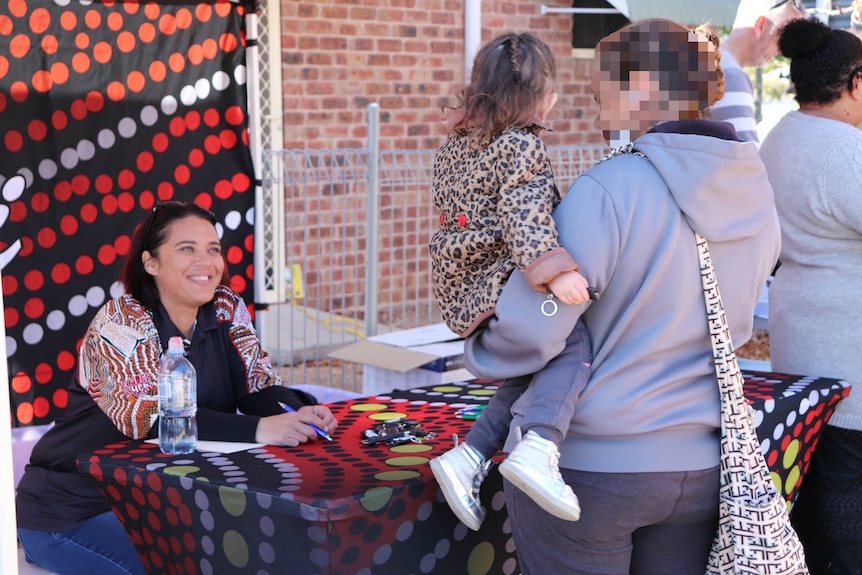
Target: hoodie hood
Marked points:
719	183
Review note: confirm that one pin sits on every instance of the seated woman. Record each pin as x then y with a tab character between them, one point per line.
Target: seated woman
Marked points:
176	285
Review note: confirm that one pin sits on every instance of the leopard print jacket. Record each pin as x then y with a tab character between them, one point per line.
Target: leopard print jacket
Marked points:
496	208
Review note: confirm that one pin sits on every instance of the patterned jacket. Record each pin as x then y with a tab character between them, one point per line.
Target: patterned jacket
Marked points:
118	362
496	208
112	397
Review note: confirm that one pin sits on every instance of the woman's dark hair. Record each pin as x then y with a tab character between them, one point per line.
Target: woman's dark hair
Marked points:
676	56
511	76
149	236
823	61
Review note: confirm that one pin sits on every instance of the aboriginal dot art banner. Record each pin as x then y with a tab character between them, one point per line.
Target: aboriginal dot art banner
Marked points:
106	108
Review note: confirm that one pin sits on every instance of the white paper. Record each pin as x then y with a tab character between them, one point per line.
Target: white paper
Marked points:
443	349
219	446
417	336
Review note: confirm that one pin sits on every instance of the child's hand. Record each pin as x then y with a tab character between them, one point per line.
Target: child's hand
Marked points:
570	287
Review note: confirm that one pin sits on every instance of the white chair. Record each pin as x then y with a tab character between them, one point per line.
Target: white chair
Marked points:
23	440
25	568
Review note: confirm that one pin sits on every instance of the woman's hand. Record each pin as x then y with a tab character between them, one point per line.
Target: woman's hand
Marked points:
292	429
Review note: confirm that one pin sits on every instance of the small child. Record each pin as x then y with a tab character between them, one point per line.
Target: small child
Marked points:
495	190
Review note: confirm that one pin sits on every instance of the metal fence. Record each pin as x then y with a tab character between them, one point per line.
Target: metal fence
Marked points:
326	238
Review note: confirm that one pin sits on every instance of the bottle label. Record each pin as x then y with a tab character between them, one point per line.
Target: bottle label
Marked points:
177	394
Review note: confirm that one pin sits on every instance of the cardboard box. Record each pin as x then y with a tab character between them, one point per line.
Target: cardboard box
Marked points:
418	357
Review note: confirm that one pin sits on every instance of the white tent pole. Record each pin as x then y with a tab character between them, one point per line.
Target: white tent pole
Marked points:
255	145
472	34
8	529
822	9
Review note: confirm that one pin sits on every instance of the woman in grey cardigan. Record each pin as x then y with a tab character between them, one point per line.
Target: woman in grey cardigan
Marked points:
642	450
814	160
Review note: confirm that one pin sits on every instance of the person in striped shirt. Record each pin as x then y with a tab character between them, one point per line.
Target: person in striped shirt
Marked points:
751	42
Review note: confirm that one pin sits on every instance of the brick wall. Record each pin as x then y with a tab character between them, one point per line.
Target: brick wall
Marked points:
407	56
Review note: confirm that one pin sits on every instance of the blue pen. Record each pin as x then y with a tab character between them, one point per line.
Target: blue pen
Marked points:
316	429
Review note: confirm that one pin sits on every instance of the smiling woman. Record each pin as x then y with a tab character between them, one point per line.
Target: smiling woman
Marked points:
176	285
186	268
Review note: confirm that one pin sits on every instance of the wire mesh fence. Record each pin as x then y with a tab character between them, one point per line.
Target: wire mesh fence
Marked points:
326	225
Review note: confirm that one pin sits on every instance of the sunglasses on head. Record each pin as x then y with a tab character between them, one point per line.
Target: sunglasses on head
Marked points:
796	4
175	209
146	236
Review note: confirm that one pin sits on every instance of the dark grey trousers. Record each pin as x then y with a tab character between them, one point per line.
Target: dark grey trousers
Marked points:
631	524
549	414
828	514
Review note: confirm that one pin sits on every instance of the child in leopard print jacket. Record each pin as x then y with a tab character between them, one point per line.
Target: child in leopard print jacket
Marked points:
494	187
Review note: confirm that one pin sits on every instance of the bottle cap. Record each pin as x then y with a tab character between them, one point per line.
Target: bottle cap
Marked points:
176	344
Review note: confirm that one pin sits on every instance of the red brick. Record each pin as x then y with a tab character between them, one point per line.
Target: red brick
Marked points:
307	43
335	12
332	43
363	44
386	15
318	59
406	55
363	13
389	45
307	11
310	73
320	88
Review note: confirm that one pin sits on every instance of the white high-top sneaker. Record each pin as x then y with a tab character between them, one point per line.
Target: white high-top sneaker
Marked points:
460	472
533	467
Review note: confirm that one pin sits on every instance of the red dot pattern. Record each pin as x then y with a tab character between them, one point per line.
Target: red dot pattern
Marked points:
761	389
332	487
335	479
75	225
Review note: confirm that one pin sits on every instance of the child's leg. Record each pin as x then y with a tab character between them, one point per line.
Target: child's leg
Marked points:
532	466
489	431
460	471
557	388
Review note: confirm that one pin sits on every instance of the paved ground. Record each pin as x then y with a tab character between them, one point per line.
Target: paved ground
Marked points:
298	339
294	334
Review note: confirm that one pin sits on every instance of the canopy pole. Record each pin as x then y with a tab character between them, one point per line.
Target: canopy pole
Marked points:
472	34
8	523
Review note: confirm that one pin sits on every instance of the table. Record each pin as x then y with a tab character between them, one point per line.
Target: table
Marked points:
342	508
790	412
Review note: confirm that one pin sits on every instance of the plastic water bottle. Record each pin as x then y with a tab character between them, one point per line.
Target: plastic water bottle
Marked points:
178	401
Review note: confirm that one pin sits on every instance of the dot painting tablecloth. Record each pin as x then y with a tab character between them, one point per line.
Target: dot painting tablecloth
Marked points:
343	508
790	412
337	508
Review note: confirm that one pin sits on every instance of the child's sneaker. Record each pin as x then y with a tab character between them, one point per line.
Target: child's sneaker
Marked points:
533	467
460	472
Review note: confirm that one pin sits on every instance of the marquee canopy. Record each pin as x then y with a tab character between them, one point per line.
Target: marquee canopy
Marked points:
719	12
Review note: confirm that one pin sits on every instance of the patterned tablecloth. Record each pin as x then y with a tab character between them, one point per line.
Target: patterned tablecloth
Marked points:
343	508
790	412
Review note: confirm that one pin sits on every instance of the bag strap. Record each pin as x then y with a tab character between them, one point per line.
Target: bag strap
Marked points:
726	367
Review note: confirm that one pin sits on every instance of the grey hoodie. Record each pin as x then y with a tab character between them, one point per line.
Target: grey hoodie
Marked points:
652	402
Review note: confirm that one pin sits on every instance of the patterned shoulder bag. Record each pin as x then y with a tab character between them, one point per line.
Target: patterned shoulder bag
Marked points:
754	532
